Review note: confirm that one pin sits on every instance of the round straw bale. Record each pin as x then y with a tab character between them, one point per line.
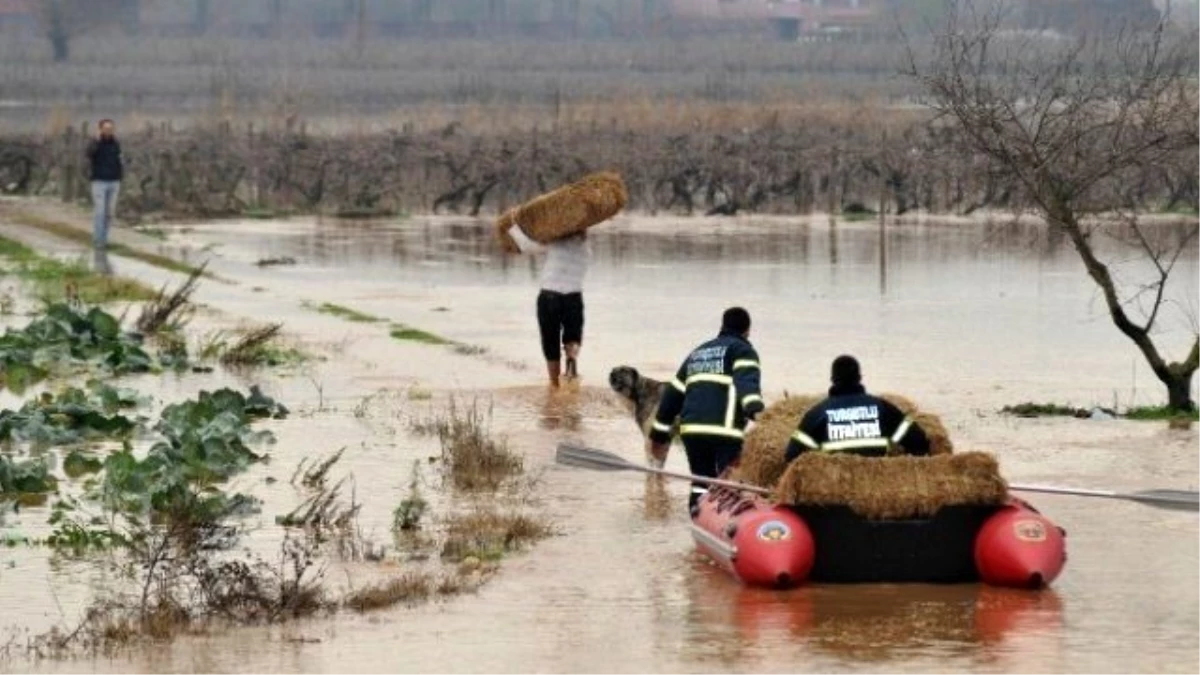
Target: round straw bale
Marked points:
568	210
931	424
939	438
503	224
762	461
893	487
904	403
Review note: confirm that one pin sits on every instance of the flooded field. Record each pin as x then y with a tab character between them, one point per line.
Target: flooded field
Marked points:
963	318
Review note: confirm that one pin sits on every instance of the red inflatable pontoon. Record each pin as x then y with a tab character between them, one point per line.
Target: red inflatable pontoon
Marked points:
760	544
763	544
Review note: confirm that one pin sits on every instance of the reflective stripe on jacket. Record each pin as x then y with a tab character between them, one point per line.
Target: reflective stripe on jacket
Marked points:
851	420
716	390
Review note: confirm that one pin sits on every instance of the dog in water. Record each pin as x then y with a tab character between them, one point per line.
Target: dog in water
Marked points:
643	394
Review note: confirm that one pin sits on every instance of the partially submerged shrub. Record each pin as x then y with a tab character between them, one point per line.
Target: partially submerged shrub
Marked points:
407	589
407	515
472	457
170	311
324	516
253	348
488	534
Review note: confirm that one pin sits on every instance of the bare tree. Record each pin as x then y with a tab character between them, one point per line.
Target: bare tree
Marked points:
1080	125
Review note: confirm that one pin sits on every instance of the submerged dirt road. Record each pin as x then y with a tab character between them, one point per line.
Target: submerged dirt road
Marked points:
963	319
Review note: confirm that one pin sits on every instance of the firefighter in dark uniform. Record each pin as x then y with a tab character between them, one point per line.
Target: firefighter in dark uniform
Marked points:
715	393
851	420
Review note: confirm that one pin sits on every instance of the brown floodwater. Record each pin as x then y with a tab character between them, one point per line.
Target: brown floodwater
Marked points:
962	317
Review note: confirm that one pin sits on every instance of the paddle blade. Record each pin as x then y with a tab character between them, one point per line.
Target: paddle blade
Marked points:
590	458
1180	500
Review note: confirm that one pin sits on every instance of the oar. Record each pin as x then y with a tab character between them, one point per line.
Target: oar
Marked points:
1179	500
591	458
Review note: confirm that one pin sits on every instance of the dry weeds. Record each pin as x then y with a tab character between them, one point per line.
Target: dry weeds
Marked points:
170	311
487	534
472	458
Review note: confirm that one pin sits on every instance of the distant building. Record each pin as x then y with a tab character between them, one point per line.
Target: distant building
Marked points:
788	18
17	14
1074	16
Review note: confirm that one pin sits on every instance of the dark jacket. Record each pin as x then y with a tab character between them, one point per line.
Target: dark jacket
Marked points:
851	420
104	156
714	393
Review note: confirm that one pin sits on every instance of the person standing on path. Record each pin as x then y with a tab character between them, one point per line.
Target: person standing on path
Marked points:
105	169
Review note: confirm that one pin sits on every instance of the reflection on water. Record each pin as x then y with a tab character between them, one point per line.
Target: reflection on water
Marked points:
100	262
869	623
657	500
815	289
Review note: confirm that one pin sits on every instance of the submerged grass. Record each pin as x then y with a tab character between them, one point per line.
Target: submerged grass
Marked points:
1161	413
407	333
72	233
56	280
1144	413
1030	409
347	313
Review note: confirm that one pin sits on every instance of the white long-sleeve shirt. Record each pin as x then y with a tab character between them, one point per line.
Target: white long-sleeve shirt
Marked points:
565	265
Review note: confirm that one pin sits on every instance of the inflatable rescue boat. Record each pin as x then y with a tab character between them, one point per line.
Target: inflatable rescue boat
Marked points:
765	544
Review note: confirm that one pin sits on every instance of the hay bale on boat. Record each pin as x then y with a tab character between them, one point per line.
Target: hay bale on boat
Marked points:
762	460
939	438
568	210
903	487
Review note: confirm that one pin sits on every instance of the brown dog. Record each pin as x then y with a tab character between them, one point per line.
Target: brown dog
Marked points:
643	393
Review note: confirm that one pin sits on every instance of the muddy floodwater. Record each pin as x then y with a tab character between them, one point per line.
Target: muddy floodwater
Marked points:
962	317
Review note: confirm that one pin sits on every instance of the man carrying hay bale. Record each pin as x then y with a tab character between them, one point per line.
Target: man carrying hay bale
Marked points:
851	420
557	223
715	393
560	304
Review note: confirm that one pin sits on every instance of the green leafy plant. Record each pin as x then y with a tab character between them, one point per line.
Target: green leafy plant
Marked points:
63	337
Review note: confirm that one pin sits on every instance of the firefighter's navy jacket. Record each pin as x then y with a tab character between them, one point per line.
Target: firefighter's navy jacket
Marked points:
717	389
853	421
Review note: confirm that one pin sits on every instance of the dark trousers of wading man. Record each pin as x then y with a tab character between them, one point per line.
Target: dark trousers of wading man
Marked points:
708	456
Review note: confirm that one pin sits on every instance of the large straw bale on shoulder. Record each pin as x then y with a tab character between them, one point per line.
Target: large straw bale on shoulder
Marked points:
568	210
893	487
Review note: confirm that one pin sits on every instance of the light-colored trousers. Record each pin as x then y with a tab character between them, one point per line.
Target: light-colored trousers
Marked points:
104	205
